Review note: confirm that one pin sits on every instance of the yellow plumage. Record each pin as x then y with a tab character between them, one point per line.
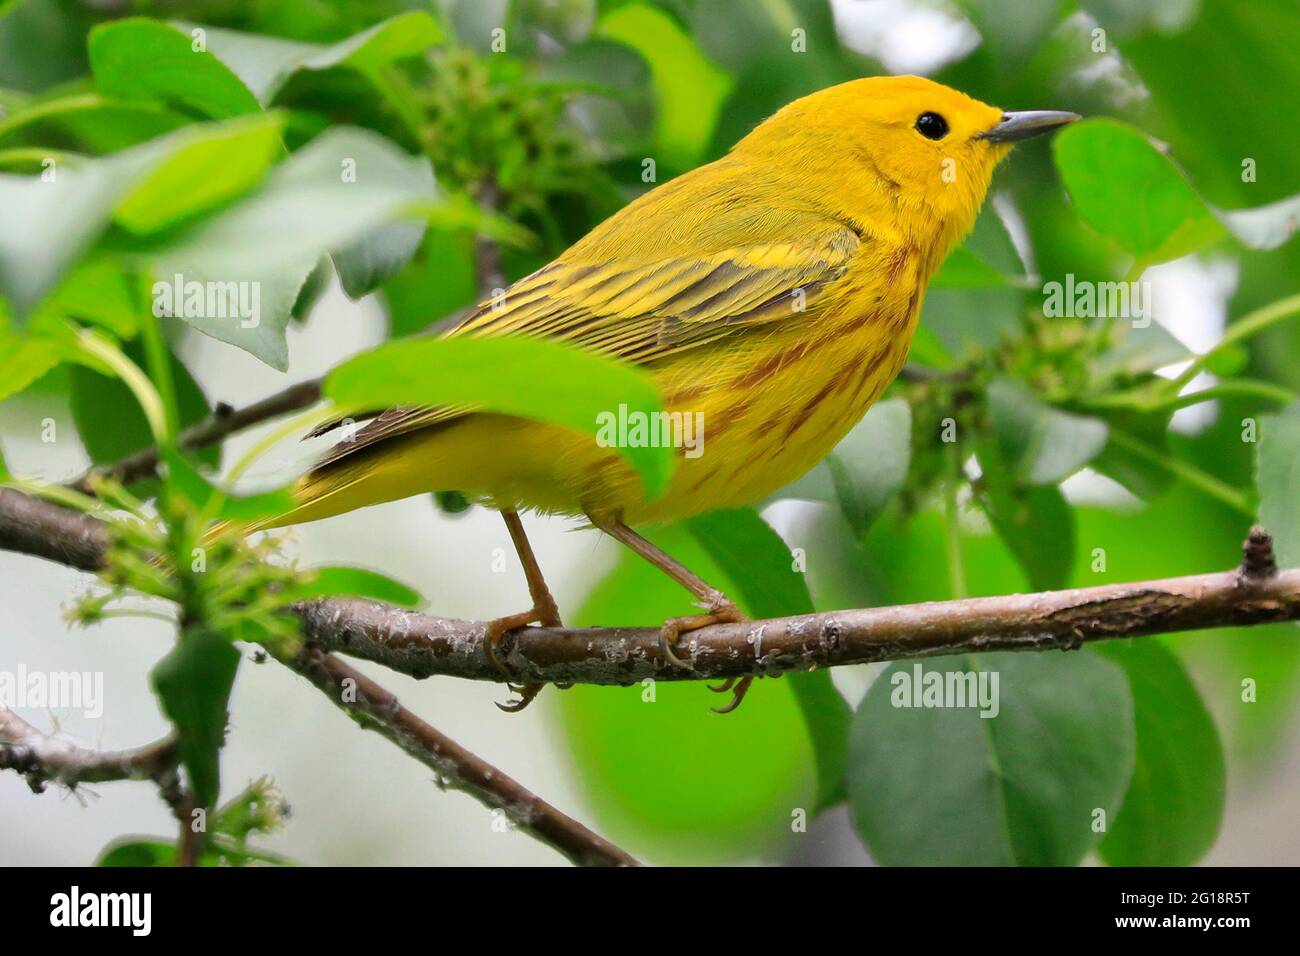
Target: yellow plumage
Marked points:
775	291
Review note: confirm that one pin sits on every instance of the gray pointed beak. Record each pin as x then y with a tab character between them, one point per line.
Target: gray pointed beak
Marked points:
1017	126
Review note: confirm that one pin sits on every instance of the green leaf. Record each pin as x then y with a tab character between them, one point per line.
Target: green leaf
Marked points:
109	421
25	358
947	787
367	263
1137	349
438	282
203	165
193	683
48	223
1125	188
266	63
218	850
1041	444
1035	522
144	59
1279	482
137	853
326	197
99	293
530	378
755	557
1137	473
968	311
354	582
865	470
1174	805
689	89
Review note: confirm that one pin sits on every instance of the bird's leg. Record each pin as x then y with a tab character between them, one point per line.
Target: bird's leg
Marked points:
720	608
544	611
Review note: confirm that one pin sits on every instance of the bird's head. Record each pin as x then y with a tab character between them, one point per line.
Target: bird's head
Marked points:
899	152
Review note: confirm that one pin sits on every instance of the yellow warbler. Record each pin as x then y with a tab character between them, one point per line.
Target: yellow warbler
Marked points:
772	293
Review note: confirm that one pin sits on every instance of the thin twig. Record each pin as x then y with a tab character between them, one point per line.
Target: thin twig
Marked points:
43	759
455	766
223	422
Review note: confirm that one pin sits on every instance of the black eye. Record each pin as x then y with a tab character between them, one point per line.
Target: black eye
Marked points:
932	126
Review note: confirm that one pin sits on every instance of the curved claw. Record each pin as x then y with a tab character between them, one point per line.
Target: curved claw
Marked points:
725	686
673	628
493	635
527	694
737	695
666	648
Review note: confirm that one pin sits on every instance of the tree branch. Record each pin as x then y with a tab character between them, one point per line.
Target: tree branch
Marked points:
455	766
29	525
223	422
423	646
43	759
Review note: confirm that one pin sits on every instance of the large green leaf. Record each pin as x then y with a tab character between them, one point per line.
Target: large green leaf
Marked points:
938	786
48	222
223	72
963	269
144	59
1174	805
27	355
202	166
689	89
966	309
1128	190
266	63
755	557
1125	187
531	378
326	197
440	280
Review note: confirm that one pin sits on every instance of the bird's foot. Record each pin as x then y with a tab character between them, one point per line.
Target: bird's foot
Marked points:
493	637
721	611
